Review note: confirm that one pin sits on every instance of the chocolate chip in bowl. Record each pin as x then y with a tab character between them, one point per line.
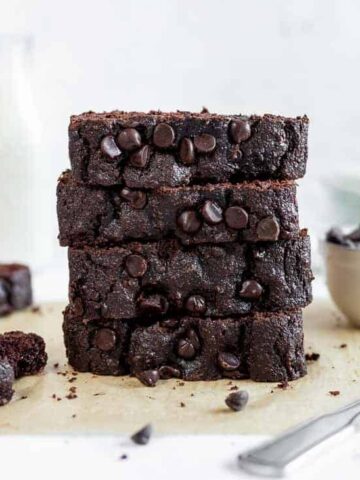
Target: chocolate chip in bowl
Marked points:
342	257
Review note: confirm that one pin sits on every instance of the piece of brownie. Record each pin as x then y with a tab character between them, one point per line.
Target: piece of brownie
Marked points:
153	279
24	351
249	212
15	287
6	382
263	347
149	150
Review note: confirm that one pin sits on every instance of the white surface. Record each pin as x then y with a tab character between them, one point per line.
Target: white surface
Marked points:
164	458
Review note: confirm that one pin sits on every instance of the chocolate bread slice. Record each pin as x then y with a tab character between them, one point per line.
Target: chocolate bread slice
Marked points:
248	212
154	279
150	150
263	347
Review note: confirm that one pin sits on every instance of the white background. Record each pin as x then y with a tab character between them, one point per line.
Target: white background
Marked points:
283	56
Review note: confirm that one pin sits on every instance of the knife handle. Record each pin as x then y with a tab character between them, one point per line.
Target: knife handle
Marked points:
273	457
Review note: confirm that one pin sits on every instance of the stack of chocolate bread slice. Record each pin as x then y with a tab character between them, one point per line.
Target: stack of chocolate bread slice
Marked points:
185	253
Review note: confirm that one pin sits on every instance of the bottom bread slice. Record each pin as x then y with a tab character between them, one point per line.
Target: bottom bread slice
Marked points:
265	347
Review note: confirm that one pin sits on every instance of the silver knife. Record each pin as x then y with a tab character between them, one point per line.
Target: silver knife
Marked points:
272	458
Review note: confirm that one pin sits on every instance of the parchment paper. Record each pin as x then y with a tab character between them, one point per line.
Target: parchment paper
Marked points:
122	404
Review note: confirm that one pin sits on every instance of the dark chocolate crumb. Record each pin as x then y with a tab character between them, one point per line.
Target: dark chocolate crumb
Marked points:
142	437
73	415
283	385
312	357
343	345
56	365
234	388
123	457
36	309
237	401
72	379
181	384
334	393
182	404
24	397
192	395
98	394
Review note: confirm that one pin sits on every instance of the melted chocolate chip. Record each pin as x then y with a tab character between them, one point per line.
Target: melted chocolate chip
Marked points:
237	401
251	289
129	139
142	437
154	304
148	377
109	147
105	339
236	217
140	158
136	265
187	152
186	349
188	221
196	304
240	130
167	372
211	212
268	229
205	143
192	336
164	135
228	361
136	198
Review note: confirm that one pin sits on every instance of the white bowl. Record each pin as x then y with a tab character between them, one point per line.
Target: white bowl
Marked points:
343	279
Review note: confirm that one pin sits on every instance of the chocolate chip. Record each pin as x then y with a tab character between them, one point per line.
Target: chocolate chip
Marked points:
105	339
228	361
136	265
187	152
140	158
154	304
186	349
188	221
129	139
205	143
237	401
240	130
236	217
148	377
167	372
142	437
192	336
251	289
211	212
164	135
195	304
109	147
268	229
7	378
136	198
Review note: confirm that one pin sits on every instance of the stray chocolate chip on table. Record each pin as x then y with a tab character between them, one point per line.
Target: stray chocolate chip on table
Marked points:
143	436
148	377
237	401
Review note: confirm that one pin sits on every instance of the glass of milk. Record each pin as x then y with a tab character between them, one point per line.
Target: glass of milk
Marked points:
24	204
